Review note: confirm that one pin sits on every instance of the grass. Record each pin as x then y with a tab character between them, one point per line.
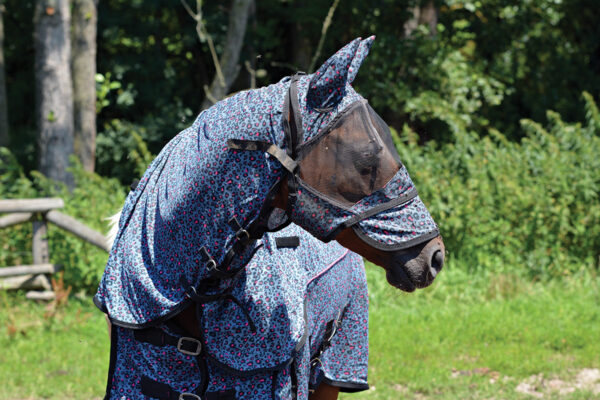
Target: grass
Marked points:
478	338
467	337
60	356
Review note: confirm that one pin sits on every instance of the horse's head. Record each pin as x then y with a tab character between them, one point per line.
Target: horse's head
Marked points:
348	182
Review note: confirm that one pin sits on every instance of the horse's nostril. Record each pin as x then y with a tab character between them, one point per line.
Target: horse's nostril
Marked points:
437	262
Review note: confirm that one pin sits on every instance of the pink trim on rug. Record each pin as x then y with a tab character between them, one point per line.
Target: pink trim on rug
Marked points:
328	268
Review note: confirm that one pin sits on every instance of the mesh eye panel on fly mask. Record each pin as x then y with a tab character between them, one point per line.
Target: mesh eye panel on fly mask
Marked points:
352	157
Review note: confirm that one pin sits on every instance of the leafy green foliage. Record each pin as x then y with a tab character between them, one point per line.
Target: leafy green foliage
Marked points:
531	206
508	192
92	201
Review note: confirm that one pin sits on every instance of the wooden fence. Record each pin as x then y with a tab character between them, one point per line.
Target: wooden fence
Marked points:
40	212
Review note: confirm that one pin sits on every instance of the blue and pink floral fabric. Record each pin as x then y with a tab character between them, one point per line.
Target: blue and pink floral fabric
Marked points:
291	294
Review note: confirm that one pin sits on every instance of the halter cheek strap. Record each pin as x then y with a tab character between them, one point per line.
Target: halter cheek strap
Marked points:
294	136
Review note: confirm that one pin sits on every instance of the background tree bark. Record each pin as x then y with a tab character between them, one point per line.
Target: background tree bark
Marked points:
4	138
83	47
425	13
54	93
301	46
238	19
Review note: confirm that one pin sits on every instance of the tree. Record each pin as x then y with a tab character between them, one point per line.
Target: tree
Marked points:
424	13
83	41
228	67
3	105
54	93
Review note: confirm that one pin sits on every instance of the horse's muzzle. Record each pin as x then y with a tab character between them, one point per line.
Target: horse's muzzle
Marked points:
417	266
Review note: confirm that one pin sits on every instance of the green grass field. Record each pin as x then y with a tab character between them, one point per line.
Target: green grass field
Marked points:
466	337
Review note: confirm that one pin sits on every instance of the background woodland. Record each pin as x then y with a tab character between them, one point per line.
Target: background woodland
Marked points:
491	103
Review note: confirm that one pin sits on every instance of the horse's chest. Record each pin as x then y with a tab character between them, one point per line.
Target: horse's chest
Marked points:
288	302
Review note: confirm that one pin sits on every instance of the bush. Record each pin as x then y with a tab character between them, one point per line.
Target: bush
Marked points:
93	200
531	205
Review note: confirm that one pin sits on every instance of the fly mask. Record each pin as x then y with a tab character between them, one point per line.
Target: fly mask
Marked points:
342	167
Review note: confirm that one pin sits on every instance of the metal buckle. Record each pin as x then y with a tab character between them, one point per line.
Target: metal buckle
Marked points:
189	396
242	232
184	339
211	265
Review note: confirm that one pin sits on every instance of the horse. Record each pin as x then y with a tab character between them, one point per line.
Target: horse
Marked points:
307	150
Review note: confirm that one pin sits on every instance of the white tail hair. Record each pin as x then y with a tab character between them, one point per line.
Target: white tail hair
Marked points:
113	226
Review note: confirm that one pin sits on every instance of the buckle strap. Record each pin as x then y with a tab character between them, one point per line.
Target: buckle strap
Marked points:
269	148
210	262
330	331
240	233
163	391
157	337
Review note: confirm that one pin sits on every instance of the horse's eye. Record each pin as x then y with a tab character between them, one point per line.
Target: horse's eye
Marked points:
365	157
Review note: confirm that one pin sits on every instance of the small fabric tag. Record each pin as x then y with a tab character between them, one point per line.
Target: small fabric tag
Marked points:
287	241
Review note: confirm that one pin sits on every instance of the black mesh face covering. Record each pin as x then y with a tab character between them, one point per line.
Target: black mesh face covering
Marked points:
353	157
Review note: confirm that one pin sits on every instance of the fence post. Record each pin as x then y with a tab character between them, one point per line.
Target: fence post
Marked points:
41	254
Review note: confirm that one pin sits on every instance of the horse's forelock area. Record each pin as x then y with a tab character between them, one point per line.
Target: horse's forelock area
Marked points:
184	202
313	122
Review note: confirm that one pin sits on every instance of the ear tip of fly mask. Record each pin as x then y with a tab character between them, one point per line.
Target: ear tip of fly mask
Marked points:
361	53
326	87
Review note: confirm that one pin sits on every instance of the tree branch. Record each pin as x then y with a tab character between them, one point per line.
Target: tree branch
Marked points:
324	29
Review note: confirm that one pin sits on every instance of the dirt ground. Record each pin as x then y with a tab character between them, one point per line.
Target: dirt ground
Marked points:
538	386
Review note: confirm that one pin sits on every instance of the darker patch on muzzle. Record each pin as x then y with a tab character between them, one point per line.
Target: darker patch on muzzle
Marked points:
416	267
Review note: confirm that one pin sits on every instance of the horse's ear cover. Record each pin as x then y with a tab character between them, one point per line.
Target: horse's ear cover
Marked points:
327	86
359	57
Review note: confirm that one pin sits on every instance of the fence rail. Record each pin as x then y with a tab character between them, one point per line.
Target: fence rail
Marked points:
40	212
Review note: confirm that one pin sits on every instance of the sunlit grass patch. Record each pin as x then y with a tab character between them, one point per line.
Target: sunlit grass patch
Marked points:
469	336
54	355
482	338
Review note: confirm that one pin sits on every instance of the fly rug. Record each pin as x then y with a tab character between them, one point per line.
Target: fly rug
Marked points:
225	280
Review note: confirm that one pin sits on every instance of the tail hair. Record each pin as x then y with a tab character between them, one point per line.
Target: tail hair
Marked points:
113	225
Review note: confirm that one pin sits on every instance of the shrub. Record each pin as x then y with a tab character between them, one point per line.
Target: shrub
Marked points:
93	200
531	205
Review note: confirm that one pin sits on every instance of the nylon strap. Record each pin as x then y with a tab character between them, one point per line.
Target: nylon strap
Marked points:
297	133
163	391
270	148
402	199
158	337
330	330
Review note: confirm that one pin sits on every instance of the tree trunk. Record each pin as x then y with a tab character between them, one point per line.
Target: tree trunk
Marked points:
425	13
54	93
301	46
238	18
4	139
83	47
